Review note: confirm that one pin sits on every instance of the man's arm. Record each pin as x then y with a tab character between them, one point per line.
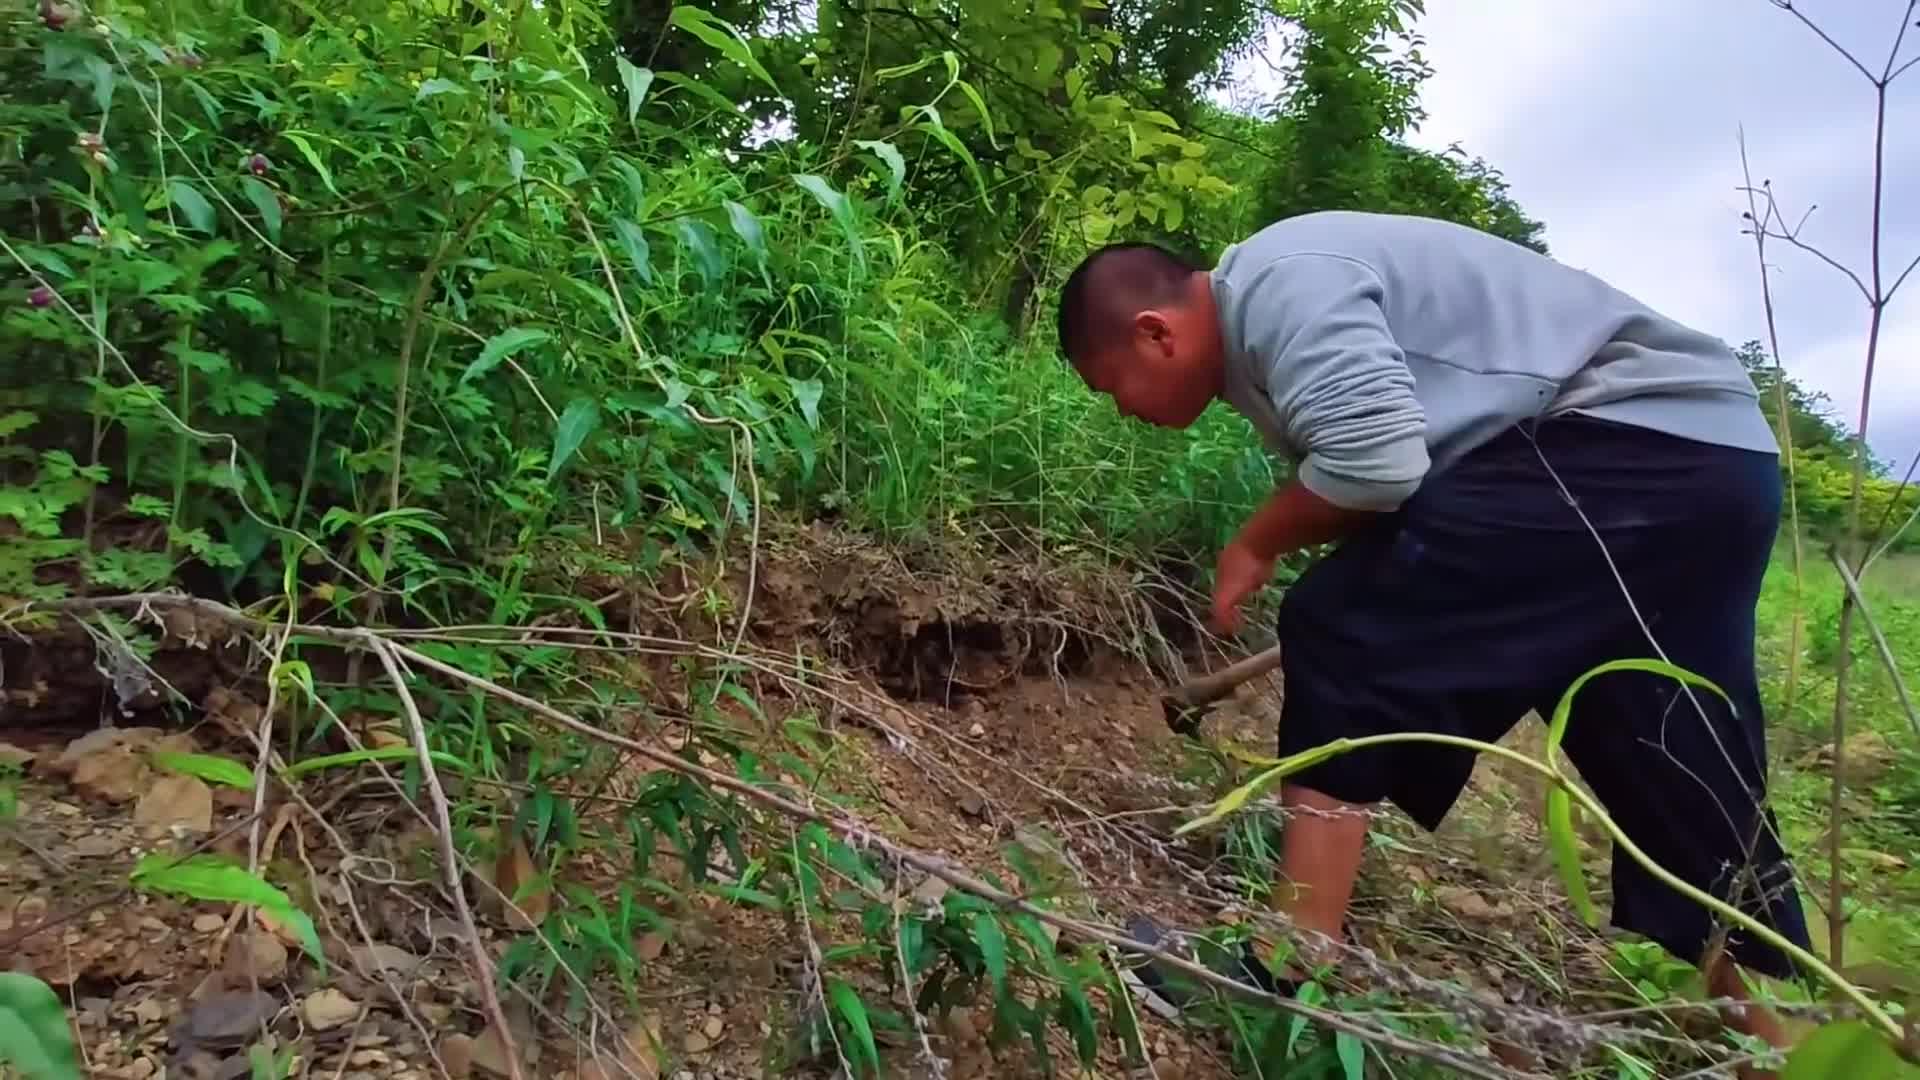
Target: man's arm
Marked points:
1341	387
1336	378
1293	517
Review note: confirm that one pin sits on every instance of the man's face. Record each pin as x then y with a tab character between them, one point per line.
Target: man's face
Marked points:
1165	371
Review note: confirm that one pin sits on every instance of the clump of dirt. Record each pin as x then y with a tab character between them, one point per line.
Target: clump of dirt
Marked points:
58	675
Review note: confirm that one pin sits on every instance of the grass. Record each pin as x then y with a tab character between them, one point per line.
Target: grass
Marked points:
1881	838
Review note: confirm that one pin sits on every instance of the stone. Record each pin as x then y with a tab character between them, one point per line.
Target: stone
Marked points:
456	1051
329	1008
256	954
175	802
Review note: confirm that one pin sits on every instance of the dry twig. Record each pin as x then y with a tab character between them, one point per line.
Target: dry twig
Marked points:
450	860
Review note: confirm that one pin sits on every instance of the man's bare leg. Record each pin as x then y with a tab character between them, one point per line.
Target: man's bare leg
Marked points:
1749	1017
1319	863
1320	853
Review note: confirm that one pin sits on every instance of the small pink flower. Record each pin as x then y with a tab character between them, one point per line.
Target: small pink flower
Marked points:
258	165
40	297
54	15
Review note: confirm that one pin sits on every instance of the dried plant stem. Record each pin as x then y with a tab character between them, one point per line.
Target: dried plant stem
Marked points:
1892	662
1760	218
449	859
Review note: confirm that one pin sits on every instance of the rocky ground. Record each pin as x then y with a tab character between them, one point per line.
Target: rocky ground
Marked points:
956	709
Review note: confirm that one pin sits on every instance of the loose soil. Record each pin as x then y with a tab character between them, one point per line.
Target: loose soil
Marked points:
960	701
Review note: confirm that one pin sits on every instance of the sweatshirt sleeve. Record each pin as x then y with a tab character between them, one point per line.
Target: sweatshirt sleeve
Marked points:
1312	327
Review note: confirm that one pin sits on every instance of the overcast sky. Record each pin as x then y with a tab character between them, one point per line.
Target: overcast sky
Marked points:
1617	124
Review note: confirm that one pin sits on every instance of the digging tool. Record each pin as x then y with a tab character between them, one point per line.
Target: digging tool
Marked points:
1188	703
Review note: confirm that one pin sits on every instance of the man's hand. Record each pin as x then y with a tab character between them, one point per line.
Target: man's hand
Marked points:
1241	572
1293	518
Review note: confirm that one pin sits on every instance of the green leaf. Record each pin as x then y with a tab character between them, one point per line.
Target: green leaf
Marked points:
888	73
636	80
208	105
839	207
979	106
265	200
34	1035
807	393
219	770
16	421
576	423
896	165
1846	1050
638	251
209	877
1566	853
1284	767
698	89
500	346
740	894
939	131
1353	1055
747	228
438	86
51	260
193	204
313	159
635	184
360	757
993	948
1077	1014
698	238
1557	727
207	363
722	36
848	1004
1126	1020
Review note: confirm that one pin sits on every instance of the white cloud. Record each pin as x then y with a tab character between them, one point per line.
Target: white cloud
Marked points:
1617	124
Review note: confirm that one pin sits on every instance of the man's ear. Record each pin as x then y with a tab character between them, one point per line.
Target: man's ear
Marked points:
1154	326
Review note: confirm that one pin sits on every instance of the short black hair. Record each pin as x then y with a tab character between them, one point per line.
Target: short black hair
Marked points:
1112	284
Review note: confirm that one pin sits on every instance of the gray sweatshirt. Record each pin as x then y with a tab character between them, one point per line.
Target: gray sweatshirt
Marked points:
1373	349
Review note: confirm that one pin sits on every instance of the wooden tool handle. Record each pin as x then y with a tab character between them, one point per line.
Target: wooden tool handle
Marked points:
1210	688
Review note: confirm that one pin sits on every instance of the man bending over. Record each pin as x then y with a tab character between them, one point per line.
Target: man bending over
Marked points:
1529	474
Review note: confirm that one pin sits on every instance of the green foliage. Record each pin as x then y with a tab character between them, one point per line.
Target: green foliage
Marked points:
34	1036
209	877
1821	468
1336	143
209	767
1844	1049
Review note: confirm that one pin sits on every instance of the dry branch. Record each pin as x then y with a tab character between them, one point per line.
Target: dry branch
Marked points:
450	860
1879	640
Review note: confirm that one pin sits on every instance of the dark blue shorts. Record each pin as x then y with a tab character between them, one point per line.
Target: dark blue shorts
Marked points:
1486	596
